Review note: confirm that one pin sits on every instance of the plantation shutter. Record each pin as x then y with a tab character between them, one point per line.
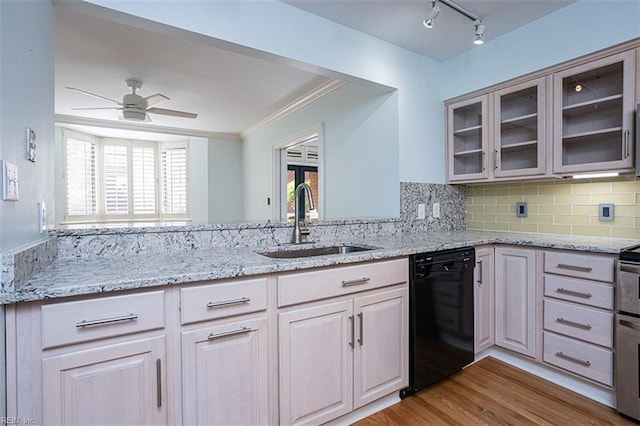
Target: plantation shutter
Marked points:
144	180
80	176
174	181
116	180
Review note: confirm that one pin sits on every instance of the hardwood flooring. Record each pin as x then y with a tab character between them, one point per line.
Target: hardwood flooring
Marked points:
491	392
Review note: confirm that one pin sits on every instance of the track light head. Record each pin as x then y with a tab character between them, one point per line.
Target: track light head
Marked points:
435	11
480	27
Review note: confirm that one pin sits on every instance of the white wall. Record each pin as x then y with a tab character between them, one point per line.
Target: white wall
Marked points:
578	29
226	193
307	40
360	151
26	85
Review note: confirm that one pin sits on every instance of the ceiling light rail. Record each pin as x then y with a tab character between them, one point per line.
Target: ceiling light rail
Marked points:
477	20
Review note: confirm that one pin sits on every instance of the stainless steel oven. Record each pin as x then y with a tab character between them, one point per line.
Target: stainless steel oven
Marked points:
627	329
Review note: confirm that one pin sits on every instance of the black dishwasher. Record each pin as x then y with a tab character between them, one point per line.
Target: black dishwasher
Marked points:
441	316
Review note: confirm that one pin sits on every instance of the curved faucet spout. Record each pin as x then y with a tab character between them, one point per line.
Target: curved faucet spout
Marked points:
300	232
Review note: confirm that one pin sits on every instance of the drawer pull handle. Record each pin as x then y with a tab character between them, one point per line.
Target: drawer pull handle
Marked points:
211	305
574	293
572	359
359	281
85	323
630	324
243	330
573	324
575	267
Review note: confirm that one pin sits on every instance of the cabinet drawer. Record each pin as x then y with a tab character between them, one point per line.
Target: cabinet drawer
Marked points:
581	358
579	291
591	267
219	300
579	322
85	320
321	284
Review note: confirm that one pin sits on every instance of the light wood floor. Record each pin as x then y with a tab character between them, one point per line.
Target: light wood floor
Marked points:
491	392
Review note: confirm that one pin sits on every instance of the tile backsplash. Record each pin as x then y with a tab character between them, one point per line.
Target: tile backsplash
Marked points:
567	207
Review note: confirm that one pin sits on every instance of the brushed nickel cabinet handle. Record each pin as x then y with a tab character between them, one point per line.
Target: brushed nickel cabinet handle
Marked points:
575	267
242	330
495	159
479	279
626	143
228	302
359	281
573	293
572	359
353	331
573	324
361	339
104	321
159	382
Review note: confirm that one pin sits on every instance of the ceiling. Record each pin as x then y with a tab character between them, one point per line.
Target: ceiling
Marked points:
231	92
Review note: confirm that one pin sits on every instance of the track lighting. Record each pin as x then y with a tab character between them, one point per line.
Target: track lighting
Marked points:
435	11
479	32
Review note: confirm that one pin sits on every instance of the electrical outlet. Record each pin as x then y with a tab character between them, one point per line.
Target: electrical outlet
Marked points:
31	145
436	210
421	211
42	216
521	209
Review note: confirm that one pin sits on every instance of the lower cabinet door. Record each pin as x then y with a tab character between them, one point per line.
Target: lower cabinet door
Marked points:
316	363
225	374
118	384
483	292
381	358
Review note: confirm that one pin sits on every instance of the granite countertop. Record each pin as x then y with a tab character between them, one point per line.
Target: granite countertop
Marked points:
71	277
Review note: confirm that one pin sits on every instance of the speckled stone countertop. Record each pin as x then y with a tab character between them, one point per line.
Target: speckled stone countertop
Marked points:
71	277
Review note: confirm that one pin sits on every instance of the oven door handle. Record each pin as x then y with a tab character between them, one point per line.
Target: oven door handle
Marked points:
625	267
629	324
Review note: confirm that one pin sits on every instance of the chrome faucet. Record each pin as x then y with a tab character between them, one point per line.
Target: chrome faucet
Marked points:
300	231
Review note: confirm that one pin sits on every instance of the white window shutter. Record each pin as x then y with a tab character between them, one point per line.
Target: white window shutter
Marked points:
144	180
174	181
116	180
80	178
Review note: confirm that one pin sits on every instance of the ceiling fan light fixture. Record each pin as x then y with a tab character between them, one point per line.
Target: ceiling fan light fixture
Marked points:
134	114
435	11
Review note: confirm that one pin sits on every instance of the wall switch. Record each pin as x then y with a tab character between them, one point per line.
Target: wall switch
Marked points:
521	209
9	181
31	145
421	211
42	216
605	212
436	210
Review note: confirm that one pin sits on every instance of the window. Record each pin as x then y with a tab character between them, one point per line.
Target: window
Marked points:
124	180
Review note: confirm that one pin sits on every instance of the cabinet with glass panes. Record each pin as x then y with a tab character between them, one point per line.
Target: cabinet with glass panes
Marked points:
467	136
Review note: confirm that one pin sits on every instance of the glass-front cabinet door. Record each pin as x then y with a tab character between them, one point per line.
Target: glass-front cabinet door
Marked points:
467	139
519	130
593	115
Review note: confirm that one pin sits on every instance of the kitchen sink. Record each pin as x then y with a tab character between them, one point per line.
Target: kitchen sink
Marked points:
315	251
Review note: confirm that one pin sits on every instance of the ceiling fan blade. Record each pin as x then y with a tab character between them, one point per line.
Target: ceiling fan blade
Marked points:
172	112
152	100
79	109
94	95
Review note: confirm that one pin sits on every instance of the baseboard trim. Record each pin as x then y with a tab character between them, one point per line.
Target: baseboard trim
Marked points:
367	410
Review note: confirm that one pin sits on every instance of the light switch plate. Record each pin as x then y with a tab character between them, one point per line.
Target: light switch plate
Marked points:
436	210
605	212
9	181
421	211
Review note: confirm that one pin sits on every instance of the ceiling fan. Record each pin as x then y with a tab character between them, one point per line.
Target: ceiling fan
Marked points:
136	108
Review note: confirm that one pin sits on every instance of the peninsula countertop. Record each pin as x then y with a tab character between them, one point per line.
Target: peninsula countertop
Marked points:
72	277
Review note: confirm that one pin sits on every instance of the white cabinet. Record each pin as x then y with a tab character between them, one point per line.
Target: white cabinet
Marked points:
468	139
578	314
484	298
225	371
593	115
515	292
225	354
118	384
344	352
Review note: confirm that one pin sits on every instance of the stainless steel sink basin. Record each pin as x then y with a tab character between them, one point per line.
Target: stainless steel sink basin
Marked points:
315	251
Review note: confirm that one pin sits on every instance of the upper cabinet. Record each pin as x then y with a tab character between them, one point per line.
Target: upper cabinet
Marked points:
519	127
499	134
593	115
467	134
569	119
